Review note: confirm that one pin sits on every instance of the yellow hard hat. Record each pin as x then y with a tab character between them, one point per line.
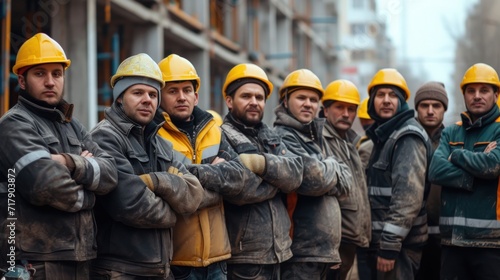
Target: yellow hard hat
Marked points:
363	109
177	68
246	70
301	78
139	65
389	76
341	90
217	117
40	49
480	73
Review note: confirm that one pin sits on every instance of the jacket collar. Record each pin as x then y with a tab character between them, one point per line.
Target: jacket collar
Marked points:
381	132
116	115
484	120
63	112
330	132
313	129
247	130
200	119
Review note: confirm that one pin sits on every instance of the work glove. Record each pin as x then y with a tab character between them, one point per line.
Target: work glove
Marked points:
256	163
173	170
149	181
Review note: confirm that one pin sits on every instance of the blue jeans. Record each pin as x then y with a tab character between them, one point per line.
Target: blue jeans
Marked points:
215	271
253	271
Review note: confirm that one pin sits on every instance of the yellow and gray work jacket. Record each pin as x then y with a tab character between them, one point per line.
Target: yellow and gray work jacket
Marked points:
200	239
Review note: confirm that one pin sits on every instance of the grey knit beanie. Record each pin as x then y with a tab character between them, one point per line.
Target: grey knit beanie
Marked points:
434	91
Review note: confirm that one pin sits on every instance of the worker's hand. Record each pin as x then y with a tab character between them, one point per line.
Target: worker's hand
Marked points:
256	163
59	158
87	154
490	147
65	160
218	160
385	265
175	171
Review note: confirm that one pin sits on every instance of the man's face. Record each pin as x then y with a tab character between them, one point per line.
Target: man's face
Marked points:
44	82
303	104
341	115
247	104
139	103
178	99
430	113
479	98
385	102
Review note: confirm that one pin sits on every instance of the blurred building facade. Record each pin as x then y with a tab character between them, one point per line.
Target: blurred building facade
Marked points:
278	35
478	44
364	45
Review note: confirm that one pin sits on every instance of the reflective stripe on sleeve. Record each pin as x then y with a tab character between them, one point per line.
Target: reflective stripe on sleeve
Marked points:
29	158
396	230
97	174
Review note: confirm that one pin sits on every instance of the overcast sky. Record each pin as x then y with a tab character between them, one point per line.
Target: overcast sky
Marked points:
423	33
423	30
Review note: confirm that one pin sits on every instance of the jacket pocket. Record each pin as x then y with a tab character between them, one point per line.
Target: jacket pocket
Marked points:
75	146
53	143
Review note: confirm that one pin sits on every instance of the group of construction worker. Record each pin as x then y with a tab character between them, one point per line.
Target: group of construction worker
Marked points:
162	189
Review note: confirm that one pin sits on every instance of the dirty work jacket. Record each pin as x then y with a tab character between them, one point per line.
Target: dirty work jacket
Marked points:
365	147
397	186
259	230
470	209
355	209
200	239
52	206
135	223
315	237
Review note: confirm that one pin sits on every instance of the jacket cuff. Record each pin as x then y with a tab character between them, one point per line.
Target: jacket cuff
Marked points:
454	156
388	254
70	163
198	171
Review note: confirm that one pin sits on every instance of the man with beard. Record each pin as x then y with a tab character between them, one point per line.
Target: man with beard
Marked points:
340	103
313	208
51	171
396	179
201	242
136	220
257	222
467	166
431	102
